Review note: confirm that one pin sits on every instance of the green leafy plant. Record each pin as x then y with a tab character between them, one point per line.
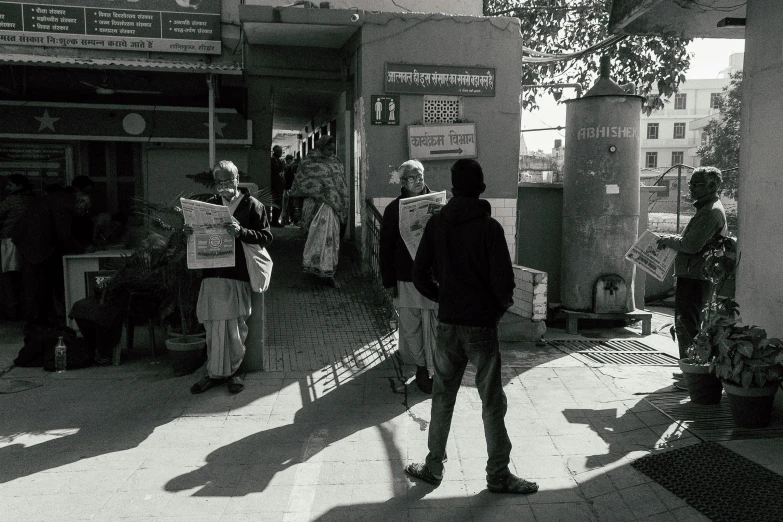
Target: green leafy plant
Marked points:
720	314
747	358
174	283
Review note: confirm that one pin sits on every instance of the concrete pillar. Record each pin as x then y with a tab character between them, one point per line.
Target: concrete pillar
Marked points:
259	100
260	104
760	229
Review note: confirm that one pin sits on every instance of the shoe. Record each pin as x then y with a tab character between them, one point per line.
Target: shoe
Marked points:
511	484
677	375
680	385
101	361
423	380
422	472
203	385
235	384
331	282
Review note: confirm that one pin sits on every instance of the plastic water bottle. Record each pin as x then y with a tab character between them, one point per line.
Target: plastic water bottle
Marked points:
59	355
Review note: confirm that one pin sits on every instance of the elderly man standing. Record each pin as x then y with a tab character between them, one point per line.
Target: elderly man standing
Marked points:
277	171
224	298
463	264
418	315
693	289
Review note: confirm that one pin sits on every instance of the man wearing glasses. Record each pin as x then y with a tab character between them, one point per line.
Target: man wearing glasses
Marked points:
693	289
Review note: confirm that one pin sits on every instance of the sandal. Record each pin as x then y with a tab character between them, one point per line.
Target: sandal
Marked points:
511	484
235	384
203	385
422	472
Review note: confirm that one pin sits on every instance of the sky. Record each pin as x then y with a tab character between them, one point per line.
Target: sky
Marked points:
710	56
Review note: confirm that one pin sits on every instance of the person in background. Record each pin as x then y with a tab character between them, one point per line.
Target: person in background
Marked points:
277	171
224	298
693	290
463	264
19	195
289	175
43	234
321	180
418	315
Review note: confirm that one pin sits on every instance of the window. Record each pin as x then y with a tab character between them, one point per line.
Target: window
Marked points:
679	131
442	109
705	138
680	101
677	158
651	160
715	99
652	131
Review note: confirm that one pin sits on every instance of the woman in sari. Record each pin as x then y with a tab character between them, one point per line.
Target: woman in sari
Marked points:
321	180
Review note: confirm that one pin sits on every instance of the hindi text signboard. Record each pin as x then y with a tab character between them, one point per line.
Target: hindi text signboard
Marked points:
439	79
439	142
181	26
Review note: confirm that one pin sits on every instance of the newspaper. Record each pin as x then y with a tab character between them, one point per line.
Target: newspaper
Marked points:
210	245
414	214
647	256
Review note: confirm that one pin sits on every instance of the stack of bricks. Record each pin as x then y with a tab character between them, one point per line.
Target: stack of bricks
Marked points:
529	294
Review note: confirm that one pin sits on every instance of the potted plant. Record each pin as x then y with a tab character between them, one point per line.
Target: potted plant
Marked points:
175	285
719	314
750	366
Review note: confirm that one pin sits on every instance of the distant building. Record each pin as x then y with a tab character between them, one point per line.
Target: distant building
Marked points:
672	135
540	167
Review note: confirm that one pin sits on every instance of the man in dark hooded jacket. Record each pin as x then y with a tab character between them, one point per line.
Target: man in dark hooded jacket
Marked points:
464	265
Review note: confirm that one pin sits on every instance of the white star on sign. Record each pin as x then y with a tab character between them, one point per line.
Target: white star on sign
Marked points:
47	122
218	126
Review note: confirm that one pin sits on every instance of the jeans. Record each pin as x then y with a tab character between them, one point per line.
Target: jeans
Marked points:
690	298
456	346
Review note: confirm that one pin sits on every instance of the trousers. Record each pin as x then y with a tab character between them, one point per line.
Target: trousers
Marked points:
456	346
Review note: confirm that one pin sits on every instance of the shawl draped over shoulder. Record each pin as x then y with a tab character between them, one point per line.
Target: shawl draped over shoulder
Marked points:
322	178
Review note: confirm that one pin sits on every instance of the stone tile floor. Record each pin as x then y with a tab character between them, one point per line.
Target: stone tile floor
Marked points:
130	443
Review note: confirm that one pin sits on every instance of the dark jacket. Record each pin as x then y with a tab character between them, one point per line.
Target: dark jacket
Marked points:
11	209
395	261
463	263
255	230
277	172
708	222
46	228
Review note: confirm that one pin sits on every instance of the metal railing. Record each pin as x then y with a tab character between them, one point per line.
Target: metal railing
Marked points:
373	220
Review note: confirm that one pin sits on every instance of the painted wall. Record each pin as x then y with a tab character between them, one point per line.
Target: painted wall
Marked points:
457	7
759	291
469	42
164	169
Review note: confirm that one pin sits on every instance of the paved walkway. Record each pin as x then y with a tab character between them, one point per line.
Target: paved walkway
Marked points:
130	443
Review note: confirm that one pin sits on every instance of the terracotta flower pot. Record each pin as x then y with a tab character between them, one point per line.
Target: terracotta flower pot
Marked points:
187	353
703	386
751	407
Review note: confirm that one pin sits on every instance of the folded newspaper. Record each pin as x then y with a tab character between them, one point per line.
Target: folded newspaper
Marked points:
414	214
210	245
647	256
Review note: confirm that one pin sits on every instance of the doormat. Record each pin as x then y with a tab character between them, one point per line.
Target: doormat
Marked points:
712	423
598	353
722	485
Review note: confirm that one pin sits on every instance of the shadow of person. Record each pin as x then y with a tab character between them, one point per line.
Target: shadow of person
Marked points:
66	421
371	399
640	427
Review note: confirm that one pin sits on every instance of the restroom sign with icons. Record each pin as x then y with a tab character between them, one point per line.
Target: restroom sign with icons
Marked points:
385	110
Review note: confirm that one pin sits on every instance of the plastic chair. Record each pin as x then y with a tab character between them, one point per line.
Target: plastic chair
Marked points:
142	308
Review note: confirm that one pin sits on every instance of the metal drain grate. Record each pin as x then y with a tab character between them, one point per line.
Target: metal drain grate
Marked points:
710	423
720	484
615	352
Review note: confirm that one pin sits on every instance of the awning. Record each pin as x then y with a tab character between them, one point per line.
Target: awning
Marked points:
295	26
117	63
